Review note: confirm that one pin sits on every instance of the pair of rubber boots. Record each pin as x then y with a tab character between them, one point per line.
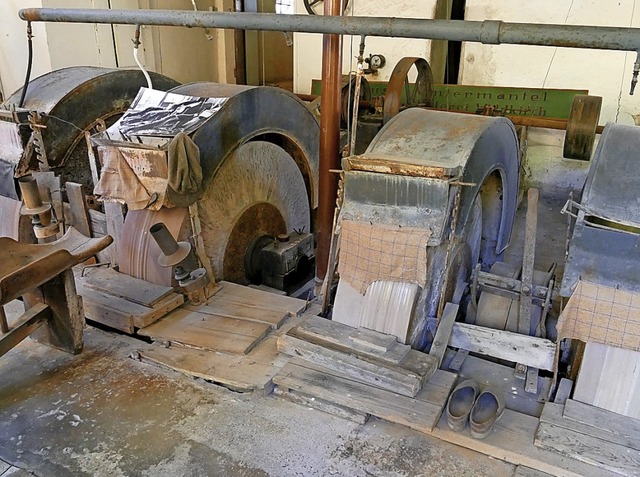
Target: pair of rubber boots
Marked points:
481	409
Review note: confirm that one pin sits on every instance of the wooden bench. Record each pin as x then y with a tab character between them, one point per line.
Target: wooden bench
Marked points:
41	274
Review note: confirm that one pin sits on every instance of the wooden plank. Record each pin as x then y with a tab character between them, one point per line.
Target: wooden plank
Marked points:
114	219
413	413
78	208
610	378
528	258
160	309
242	311
564	391
528	350
207	332
304	399
458	359
122	314
366	338
553	414
511	440
402	380
332	334
98	223
625	427
588	449
240	302
443	333
132	289
30	321
522	471
243	373
242	294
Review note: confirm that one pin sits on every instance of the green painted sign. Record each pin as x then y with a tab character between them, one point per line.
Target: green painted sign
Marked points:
539	102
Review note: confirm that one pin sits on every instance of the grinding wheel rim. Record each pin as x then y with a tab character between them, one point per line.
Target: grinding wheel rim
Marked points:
256	176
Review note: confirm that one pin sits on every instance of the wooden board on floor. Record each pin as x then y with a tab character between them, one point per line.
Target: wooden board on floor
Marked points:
624	430
122	314
406	378
338	336
242	373
553	414
207	332
588	449
511	440
237	301
420	413
132	289
502	377
304	399
609	378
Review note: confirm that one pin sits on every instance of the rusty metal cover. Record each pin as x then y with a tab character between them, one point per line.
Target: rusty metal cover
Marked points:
74	100
613	182
257	113
476	146
605	246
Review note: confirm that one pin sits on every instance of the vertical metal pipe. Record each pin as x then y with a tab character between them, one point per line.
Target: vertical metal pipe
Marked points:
329	137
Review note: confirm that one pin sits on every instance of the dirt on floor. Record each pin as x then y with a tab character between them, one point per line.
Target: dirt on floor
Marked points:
102	413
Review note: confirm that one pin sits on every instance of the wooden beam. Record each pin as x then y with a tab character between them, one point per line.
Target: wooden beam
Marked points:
32	319
407	378
337	336
79	209
588	449
528	350
443	333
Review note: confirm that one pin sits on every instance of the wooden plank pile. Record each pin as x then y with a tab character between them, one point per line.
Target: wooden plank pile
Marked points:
124	302
230	340
355	373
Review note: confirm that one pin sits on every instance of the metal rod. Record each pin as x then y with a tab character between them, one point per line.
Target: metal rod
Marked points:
488	31
330	105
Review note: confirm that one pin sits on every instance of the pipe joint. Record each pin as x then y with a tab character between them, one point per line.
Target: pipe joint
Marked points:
490	32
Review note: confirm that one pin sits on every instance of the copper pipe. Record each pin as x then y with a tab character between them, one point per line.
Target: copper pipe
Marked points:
330	104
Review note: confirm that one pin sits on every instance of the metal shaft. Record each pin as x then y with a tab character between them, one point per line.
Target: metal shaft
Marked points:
488	31
330	104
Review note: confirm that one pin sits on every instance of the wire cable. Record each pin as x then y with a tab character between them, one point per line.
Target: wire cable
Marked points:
29	65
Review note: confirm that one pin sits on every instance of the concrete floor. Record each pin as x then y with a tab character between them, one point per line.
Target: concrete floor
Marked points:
102	413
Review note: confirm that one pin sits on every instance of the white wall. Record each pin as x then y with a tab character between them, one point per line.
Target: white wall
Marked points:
183	54
307	48
603	73
13	46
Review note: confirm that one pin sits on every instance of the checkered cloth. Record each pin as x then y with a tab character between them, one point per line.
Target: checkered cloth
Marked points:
600	314
370	252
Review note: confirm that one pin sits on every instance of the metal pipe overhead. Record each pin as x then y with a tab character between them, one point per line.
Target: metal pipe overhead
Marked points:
488	31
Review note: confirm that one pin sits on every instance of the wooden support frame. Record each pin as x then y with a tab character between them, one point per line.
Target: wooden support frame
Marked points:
523	349
29	322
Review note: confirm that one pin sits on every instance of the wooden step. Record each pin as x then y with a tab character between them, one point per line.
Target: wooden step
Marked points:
420	413
121	314
359	361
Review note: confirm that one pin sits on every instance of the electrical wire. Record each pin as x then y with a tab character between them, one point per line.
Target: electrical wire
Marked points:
136	44
29	65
